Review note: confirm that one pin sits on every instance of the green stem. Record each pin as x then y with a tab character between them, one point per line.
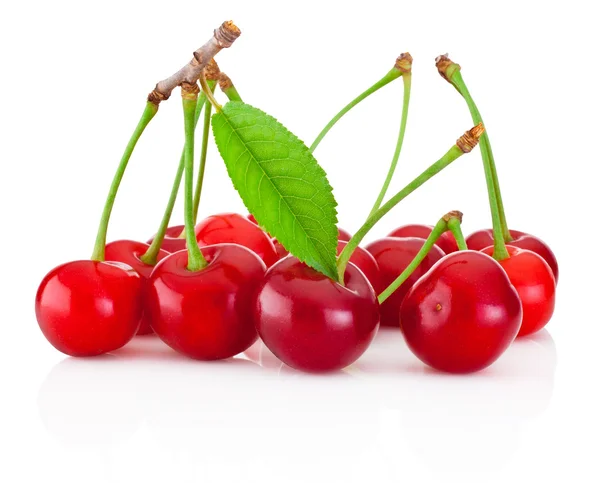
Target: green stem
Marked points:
453	153
232	94
203	152
407	81
208	91
149	112
196	260
393	74
454	227
438	230
500	252
151	254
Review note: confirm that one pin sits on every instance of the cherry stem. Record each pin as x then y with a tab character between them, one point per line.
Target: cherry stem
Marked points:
99	247
500	252
151	255
455	228
406	77
196	260
451	155
203	152
228	88
209	94
438	230
393	74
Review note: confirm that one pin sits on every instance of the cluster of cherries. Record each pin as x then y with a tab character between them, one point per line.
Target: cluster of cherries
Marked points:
459	308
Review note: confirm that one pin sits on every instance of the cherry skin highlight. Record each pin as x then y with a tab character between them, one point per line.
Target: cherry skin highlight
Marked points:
534	281
129	252
235	228
393	255
172	242
367	265
87	308
311	322
462	314
481	239
446	241
206	315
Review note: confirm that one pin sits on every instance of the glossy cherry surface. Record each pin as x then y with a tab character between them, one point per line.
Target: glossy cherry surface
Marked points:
393	255
462	315
88	308
311	322
446	242
484	238
129	252
172	242
367	265
533	278
207	314
235	228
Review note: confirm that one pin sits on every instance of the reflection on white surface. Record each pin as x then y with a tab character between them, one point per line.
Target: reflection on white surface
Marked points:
388	406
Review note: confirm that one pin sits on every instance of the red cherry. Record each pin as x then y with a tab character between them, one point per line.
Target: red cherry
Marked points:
393	255
206	314
280	249
446	242
234	228
250	216
172	242
129	252
367	265
343	235
311	322
484	238
462	315
533	278
88	308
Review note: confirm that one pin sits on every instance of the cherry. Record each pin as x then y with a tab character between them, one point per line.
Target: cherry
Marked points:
446	241
366	263
280	249
129	252
484	238
88	308
393	255
533	279
234	228
462	314
172	242
342	234
311	322
206	314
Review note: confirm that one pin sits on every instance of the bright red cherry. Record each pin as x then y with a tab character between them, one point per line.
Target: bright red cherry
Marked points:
207	314
446	242
311	322
235	228
366	263
280	249
533	278
484	238
462	314
393	255
172	242
129	252
88	308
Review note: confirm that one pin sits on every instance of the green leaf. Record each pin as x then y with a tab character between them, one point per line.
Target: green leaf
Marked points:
280	182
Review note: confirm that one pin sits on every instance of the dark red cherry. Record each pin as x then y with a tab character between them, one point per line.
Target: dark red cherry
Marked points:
446	242
484	238
129	252
311	322
207	314
367	265
462	314
172	242
88	308
393	255
235	228
533	278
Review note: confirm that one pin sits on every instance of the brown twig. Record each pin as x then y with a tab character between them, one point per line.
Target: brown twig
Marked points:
222	38
470	139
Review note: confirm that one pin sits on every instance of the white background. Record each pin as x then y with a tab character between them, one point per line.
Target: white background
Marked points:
73	85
